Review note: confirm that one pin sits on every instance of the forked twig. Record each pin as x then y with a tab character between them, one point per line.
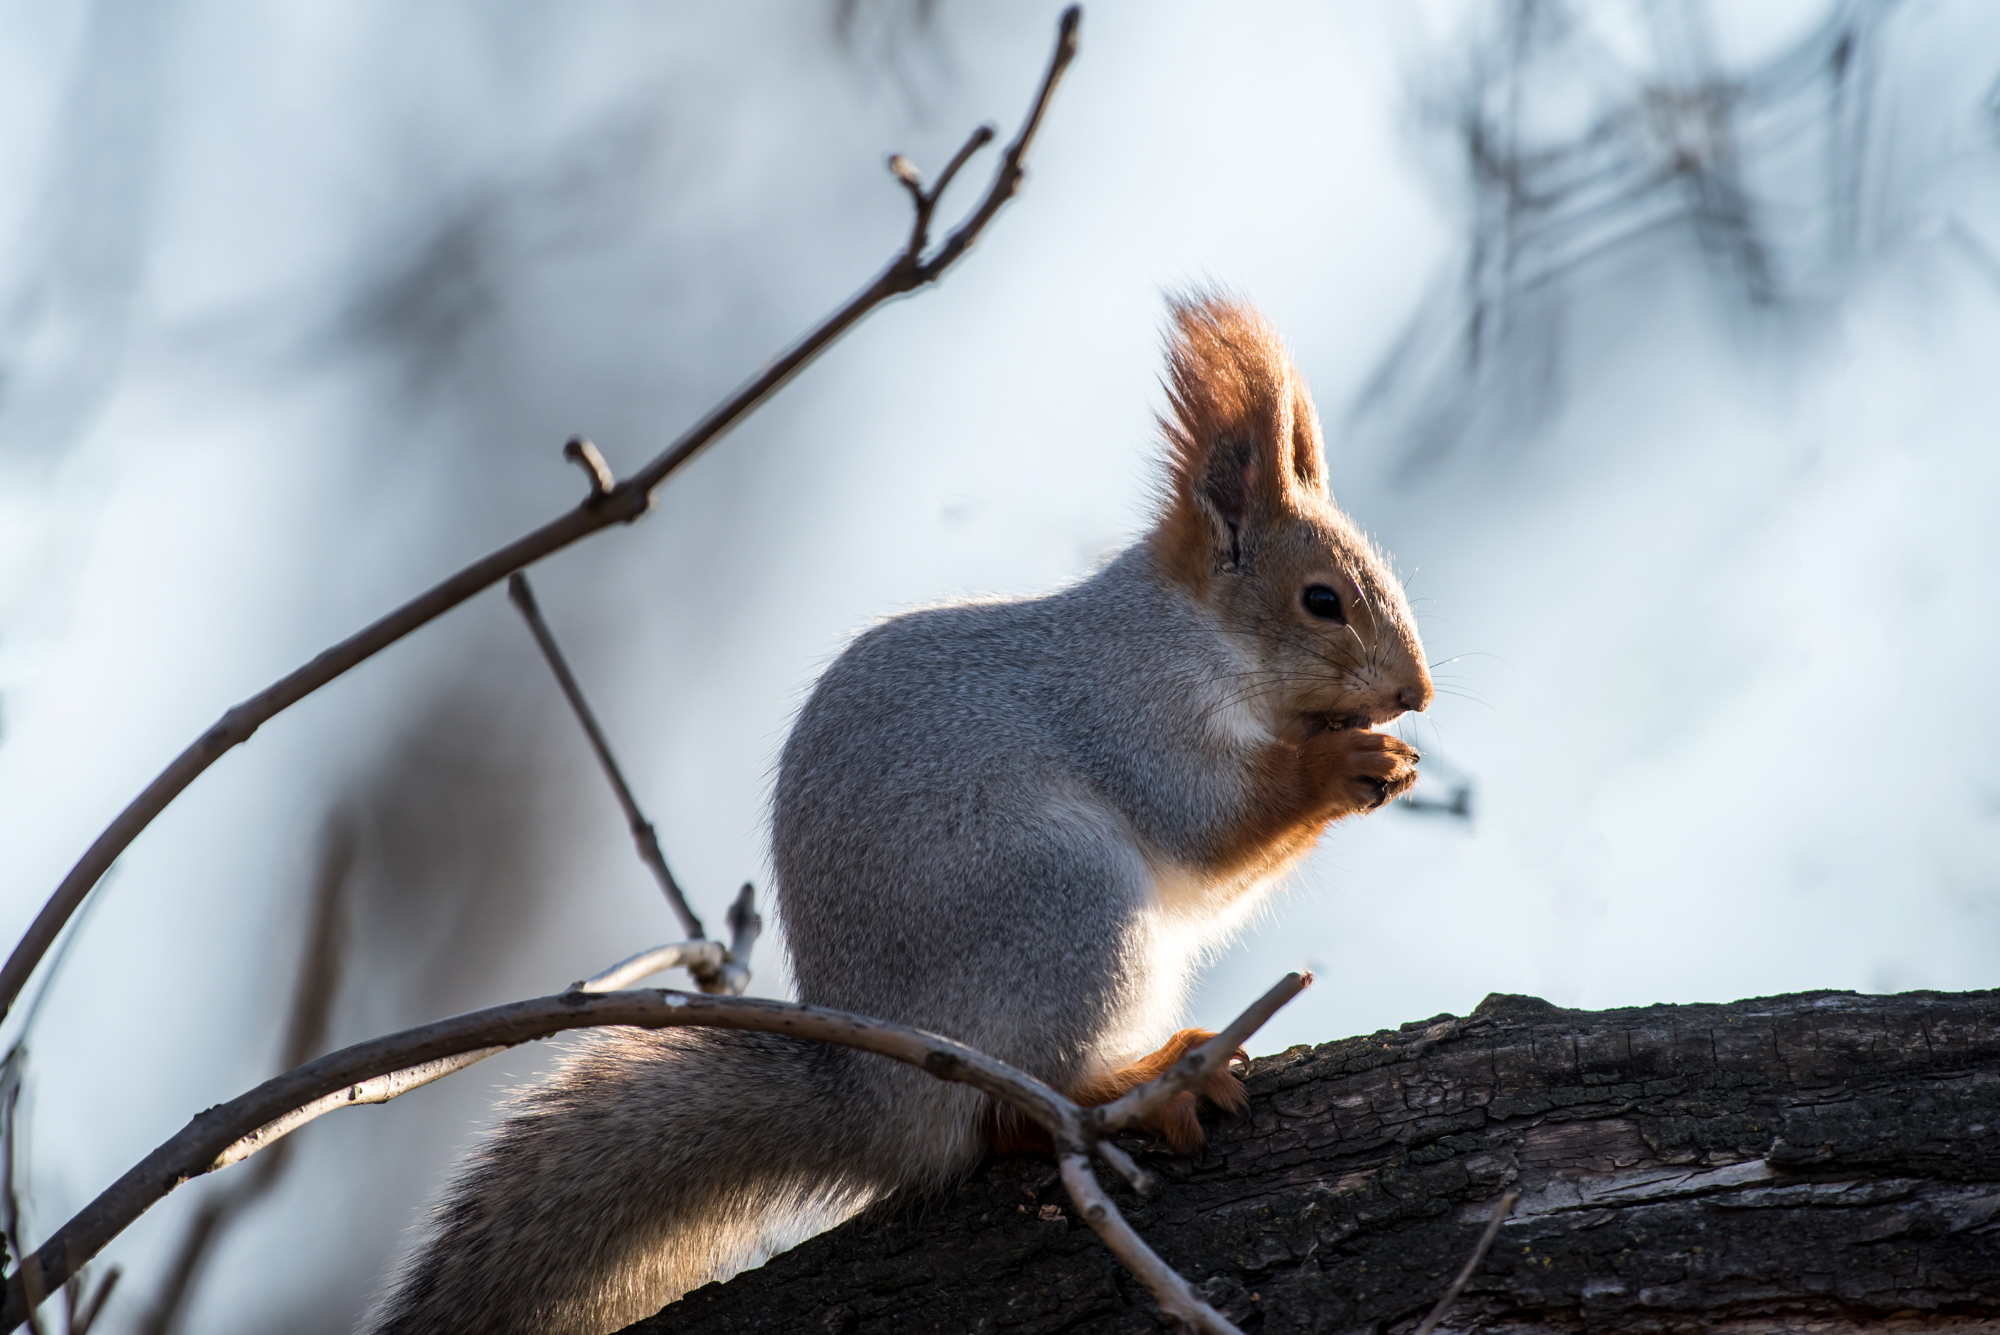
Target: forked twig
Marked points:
1138	1104
1503	1208
619	504
257	1119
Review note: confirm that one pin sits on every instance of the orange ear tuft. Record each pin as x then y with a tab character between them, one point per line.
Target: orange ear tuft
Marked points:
1243	442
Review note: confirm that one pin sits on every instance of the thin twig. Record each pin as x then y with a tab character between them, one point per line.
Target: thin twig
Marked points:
1501	1210
256	1119
1138	1104
584	455
1011	172
1171	1291
745	926
375	1089
627	501
643	834
705	956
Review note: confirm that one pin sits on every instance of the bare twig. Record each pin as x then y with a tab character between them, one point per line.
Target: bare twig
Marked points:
642	829
253	1120
1173	1293
745	926
715	970
375	1089
1010	174
584	455
1503	1208
627	501
313	992
1188	1073
706	956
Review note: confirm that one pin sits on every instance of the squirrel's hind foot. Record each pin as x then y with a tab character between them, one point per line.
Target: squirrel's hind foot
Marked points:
1176	1122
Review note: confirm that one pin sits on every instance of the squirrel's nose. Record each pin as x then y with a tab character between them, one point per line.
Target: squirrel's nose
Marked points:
1412	697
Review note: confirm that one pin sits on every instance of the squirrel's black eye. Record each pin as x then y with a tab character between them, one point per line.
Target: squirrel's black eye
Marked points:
1325	604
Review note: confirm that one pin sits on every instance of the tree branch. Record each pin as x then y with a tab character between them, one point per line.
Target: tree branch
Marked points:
381	1068
627	501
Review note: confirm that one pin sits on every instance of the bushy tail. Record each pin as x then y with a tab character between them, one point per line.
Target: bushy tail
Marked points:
652	1163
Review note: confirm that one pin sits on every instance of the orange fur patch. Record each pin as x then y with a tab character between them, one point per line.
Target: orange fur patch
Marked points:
1301	785
1176	1122
1010	1132
1242	422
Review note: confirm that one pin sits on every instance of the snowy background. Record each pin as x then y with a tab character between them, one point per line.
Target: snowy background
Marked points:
1657	345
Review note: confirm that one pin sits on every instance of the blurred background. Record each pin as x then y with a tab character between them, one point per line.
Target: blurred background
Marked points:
1654	338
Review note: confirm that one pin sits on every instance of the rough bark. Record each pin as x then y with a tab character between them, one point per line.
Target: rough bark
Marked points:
1825	1162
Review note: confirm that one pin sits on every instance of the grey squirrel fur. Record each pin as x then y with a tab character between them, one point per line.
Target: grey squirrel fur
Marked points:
1016	823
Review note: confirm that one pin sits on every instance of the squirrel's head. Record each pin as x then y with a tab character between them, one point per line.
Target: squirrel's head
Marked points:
1250	529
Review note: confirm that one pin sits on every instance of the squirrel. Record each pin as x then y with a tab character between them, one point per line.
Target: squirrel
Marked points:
1015	823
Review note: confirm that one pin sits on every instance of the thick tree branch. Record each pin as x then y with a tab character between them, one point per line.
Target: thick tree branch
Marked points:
1817	1163
621	504
381	1068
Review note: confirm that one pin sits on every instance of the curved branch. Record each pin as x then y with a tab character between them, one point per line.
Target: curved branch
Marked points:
201	1144
627	501
381	1068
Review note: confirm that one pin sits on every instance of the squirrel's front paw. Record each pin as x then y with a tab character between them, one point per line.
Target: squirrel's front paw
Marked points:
1364	770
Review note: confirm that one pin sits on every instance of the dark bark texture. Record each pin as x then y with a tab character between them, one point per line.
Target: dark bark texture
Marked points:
1822	1162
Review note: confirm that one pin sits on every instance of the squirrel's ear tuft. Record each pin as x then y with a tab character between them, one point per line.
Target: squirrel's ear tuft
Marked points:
1243	441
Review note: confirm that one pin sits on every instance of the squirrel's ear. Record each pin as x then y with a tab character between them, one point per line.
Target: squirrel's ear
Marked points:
1243	442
